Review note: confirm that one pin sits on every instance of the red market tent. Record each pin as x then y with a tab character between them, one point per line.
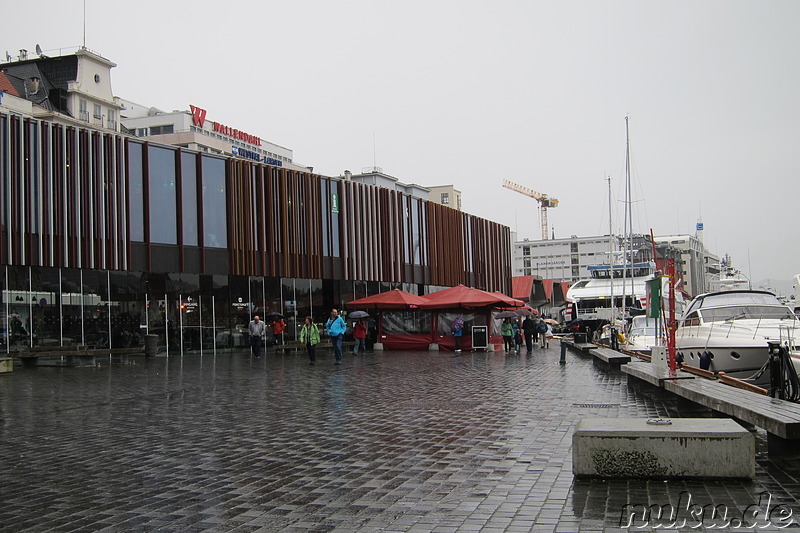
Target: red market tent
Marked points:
462	297
510	302
395	299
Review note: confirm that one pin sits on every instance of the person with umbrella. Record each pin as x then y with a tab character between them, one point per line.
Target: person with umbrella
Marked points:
278	328
507	330
529	329
359	331
545	332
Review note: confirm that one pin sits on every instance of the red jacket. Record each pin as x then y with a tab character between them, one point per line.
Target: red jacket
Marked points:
360	330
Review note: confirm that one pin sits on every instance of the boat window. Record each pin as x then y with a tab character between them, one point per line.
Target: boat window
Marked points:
641	329
692	319
739	298
750	312
598	303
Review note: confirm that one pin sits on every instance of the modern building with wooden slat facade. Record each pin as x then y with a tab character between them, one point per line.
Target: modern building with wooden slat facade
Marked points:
106	237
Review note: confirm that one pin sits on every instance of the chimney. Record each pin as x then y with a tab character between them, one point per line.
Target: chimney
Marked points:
23	55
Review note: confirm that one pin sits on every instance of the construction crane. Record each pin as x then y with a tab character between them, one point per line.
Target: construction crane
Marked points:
544	201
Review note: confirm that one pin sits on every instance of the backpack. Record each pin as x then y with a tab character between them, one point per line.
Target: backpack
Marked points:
542	326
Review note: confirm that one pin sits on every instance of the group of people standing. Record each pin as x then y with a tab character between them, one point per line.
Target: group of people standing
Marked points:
310	336
257	330
532	329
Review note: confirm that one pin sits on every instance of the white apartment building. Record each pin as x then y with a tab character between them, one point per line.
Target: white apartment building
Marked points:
699	265
446	195
376	176
568	259
72	89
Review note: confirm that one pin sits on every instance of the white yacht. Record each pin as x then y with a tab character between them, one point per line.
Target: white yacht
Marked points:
729	331
590	299
642	334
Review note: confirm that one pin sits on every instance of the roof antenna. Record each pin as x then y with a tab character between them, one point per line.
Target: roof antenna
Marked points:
84	24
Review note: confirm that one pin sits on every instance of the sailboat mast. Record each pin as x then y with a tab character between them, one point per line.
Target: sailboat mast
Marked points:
628	233
630	207
611	252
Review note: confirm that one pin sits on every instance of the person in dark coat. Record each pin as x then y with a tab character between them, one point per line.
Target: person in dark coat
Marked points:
529	330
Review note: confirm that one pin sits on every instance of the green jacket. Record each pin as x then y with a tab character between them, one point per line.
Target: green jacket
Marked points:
309	334
507	329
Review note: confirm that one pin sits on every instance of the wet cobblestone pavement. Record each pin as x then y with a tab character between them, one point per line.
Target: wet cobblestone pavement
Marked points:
394	441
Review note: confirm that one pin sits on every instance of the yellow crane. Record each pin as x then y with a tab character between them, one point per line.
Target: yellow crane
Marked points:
544	201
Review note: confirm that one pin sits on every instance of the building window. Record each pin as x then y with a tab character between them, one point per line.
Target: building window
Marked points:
215	214
526	250
98	111
83	114
162	130
163	215
112	119
189	198
136	194
445	198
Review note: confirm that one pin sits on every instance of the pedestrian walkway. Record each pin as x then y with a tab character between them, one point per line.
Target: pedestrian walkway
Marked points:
388	441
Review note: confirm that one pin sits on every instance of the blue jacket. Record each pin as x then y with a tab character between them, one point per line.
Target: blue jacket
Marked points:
336	327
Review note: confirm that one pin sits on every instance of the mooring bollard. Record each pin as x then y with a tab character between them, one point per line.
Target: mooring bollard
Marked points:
563	359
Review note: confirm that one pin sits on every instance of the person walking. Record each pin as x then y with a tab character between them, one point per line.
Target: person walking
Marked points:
336	328
548	335
309	335
458	333
517	329
542	328
528	329
278	328
257	330
360	335
507	330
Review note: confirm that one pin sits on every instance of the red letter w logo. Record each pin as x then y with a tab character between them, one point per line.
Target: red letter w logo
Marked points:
198	116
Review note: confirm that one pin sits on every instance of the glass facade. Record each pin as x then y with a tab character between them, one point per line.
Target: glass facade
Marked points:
106	239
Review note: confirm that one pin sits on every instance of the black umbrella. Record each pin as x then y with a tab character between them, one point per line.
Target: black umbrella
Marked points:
358	314
274	314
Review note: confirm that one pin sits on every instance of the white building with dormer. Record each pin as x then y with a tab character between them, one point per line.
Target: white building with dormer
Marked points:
72	89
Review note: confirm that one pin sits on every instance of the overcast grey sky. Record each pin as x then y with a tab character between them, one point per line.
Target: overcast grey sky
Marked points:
470	93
